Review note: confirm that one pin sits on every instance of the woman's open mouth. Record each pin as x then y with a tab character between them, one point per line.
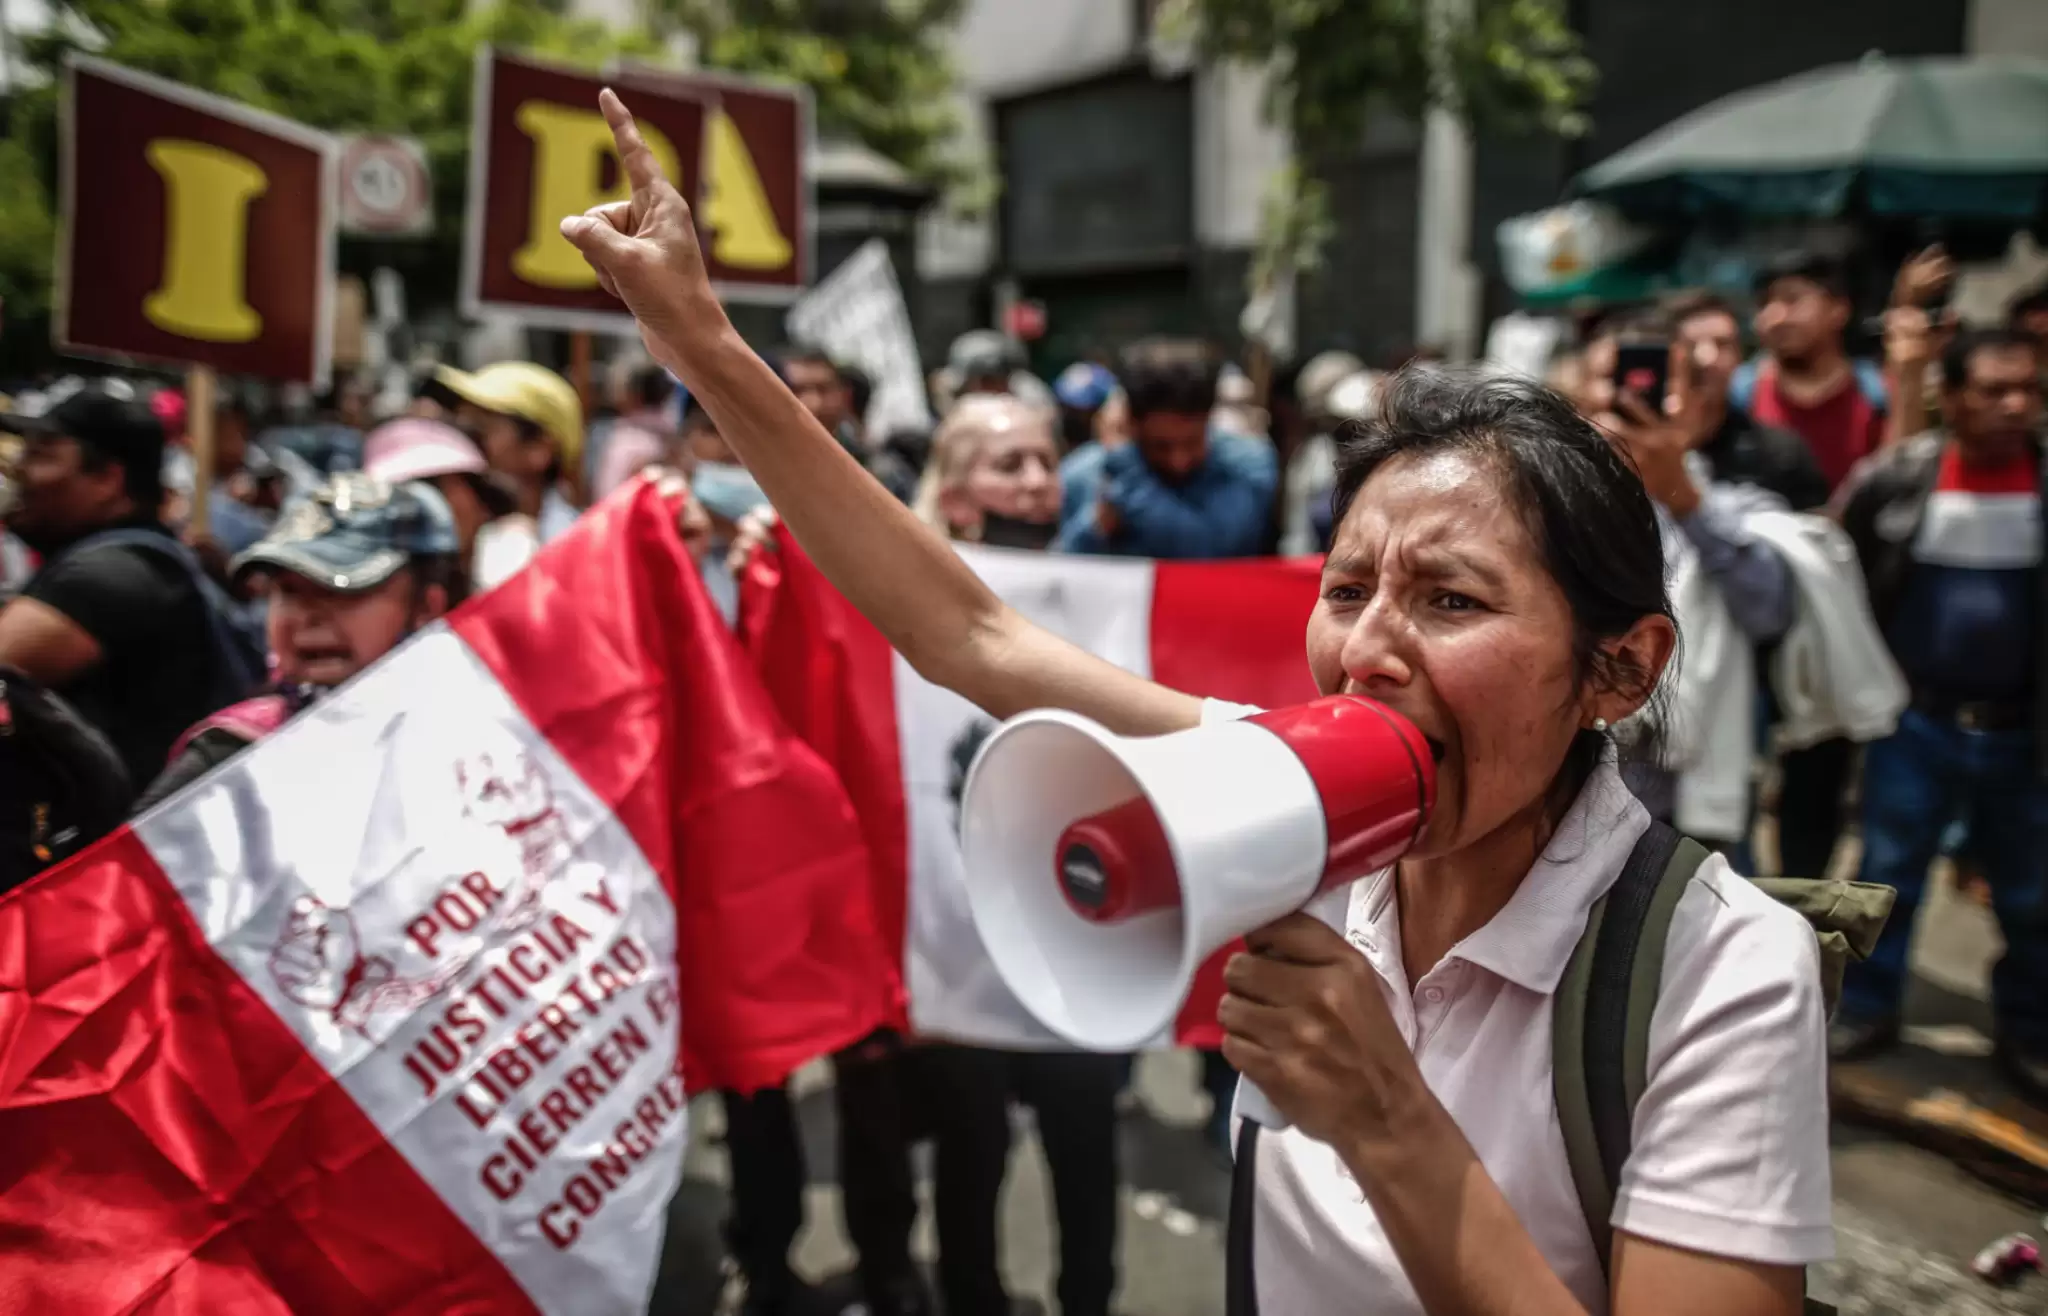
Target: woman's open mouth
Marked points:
1436	747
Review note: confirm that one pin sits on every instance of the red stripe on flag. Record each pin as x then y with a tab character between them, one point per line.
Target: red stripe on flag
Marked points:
166	1144
2020	474
613	651
1226	630
833	677
1235	631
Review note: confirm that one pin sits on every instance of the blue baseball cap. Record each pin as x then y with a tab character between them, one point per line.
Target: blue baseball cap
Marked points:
1084	386
354	532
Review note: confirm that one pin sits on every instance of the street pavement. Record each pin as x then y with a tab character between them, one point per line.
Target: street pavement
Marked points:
1907	1221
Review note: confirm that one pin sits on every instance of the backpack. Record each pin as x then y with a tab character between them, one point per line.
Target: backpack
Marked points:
1600	1017
62	783
236	630
248	721
1600	1027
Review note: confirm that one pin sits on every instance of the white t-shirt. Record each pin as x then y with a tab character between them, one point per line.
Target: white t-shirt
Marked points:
1730	1153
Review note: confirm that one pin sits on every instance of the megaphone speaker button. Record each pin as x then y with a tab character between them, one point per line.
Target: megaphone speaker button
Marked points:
1082	877
1117	863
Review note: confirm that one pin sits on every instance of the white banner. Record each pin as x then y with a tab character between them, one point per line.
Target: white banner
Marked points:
858	316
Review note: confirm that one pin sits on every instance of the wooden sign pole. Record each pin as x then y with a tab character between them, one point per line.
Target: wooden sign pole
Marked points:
579	367
199	410
579	378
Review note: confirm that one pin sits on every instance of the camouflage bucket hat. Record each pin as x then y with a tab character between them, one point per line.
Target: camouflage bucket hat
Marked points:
353	532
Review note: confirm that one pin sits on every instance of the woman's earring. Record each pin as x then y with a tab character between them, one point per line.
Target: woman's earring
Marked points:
1600	724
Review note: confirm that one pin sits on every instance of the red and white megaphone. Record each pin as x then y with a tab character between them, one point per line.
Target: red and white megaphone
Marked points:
1103	869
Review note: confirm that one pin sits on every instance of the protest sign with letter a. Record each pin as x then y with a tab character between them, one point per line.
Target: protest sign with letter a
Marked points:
194	229
753	198
539	152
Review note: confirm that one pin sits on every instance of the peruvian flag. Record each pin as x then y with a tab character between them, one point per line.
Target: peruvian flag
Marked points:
1223	630
397	1011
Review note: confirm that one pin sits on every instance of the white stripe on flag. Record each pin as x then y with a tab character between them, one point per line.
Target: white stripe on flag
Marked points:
1104	606
1987	531
414	880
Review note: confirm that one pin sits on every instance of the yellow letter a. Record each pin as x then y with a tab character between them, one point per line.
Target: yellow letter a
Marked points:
736	209
207	192
569	150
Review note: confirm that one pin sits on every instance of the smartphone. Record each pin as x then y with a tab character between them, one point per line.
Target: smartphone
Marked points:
1644	369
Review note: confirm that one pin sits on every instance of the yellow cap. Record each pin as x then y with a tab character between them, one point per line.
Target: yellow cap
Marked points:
530	392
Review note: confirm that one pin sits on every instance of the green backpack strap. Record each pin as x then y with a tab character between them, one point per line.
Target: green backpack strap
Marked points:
1600	1020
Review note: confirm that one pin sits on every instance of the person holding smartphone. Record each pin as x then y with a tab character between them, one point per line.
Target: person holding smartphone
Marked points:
1917	328
1664	396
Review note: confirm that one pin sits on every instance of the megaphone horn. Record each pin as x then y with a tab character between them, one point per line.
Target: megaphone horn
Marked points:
1117	863
1102	869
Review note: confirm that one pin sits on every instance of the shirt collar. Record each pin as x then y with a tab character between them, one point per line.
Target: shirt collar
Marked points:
1532	938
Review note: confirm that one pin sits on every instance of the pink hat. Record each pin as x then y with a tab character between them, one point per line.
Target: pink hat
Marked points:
415	448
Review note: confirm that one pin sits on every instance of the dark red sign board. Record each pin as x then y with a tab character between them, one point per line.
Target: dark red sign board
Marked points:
195	230
753	202
539	152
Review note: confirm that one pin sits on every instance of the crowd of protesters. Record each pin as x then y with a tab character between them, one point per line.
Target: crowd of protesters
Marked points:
1844	535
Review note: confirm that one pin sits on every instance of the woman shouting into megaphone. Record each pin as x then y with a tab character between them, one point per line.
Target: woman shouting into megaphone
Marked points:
1497	577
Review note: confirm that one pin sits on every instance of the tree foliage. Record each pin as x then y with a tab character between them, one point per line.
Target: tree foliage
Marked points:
1513	64
1502	64
397	66
406	66
879	69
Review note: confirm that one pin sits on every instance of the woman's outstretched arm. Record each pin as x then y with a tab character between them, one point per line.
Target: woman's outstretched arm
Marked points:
926	602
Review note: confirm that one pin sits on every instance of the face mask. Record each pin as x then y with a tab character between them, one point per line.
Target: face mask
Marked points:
726	490
1008	532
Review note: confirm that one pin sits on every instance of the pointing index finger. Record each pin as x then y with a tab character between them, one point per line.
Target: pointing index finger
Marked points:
642	170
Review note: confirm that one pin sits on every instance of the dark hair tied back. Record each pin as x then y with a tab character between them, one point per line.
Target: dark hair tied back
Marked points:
1580	498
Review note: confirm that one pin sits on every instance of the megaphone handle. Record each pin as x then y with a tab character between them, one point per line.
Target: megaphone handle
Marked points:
1254	1105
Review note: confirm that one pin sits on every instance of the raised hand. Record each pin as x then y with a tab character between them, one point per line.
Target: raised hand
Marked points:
693	523
1304	1018
1924	279
756	535
645	251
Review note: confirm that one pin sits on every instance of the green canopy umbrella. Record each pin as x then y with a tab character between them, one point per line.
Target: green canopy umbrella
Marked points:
1938	137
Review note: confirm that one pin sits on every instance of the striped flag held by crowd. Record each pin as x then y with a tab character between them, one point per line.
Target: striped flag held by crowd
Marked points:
397	1011
902	746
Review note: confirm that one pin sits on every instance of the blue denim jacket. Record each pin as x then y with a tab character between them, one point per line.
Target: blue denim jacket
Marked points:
1222	511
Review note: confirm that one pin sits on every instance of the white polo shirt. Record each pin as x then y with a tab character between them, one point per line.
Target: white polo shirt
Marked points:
1730	1153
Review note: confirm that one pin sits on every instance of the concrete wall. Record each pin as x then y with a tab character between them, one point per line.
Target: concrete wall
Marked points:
2008	27
1003	48
1236	153
1363	299
1010	48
